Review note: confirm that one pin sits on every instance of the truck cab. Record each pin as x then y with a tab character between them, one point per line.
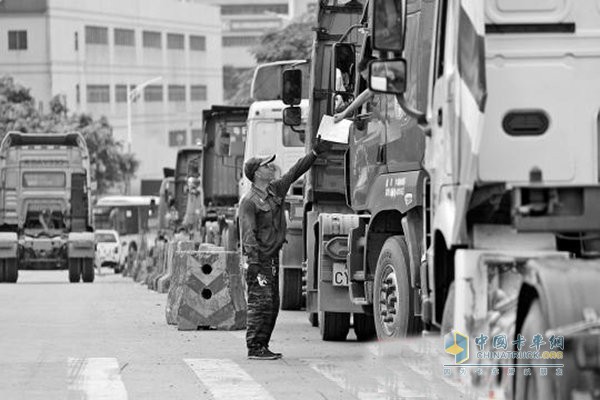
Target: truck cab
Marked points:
45	215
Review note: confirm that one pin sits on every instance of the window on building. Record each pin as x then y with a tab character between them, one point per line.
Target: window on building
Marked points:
241	9
17	40
175	41
177	138
176	93
121	93
197	43
196	136
98	93
124	37
153	93
77	94
198	93
76	38
239	41
152	39
96	35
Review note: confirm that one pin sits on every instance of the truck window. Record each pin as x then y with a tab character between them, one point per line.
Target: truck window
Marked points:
294	139
44	179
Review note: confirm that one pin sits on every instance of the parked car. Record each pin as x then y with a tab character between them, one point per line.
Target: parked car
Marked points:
108	249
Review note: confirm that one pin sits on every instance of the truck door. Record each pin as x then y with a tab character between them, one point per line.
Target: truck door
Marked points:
367	150
79	202
405	142
459	94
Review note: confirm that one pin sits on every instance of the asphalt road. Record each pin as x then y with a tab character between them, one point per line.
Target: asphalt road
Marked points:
109	340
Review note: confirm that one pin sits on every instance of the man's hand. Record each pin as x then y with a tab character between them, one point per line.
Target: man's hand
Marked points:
338	117
321	146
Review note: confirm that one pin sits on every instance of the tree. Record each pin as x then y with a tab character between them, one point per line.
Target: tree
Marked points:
292	42
18	113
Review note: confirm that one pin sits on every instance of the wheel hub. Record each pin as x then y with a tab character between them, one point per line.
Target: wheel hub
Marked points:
388	299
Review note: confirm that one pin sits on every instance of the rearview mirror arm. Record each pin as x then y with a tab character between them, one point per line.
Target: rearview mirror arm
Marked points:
410	111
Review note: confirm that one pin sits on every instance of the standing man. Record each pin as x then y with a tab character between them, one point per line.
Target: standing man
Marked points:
263	233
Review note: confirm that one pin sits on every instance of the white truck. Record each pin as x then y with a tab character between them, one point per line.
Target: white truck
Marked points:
510	219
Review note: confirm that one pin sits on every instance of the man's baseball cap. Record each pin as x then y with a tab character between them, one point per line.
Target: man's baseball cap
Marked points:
254	163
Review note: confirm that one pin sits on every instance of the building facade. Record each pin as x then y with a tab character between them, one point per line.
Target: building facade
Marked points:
244	21
94	52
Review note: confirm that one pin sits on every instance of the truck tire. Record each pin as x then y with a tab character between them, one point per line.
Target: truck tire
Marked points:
291	294
74	270
364	327
11	270
313	318
534	386
334	326
393	307
87	270
448	315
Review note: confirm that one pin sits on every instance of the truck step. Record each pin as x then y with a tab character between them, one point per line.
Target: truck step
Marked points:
358	276
360	301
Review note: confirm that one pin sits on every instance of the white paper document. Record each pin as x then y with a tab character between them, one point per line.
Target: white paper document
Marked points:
332	132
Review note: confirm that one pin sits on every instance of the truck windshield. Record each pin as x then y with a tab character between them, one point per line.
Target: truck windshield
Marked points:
44	179
105	238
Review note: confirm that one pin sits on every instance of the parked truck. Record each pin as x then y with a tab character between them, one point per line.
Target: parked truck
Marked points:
225	133
510	244
45	208
332	207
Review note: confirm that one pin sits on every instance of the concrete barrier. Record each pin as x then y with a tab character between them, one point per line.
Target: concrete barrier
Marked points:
176	279
164	280
158	255
212	293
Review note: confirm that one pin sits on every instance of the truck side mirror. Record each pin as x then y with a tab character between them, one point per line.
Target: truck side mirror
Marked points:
292	116
291	87
344	62
388	76
388	22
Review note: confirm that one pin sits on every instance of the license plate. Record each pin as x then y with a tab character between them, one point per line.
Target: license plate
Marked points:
340	274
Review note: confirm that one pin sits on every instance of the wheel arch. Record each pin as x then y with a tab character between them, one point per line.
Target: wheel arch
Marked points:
382	226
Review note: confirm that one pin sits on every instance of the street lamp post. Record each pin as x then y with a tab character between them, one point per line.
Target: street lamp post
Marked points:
131	94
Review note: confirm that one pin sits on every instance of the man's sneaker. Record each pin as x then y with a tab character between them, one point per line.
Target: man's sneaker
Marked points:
261	354
278	355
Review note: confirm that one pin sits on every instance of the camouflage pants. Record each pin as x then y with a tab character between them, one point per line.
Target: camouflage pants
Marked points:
263	302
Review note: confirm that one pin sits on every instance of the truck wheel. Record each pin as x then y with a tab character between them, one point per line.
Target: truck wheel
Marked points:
11	271
534	386
334	326
74	270
364	327
448	315
87	270
291	295
393	307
